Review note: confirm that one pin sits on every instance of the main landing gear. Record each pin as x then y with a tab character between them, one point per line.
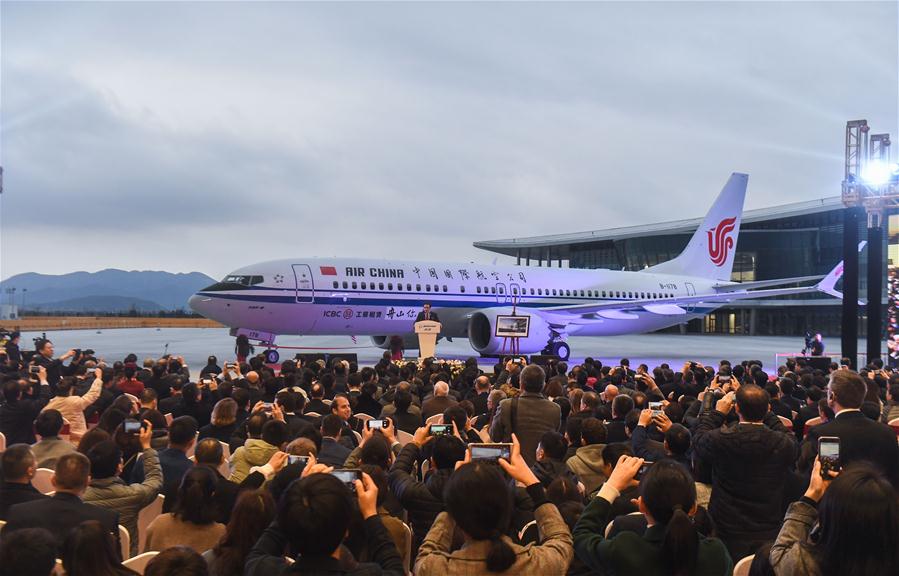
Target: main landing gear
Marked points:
558	348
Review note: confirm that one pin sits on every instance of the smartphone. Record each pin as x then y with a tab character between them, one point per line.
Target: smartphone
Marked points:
35	370
291	459
348	476
829	455
643	469
491	452
267	406
376	424
656	407
132	426
232	374
441	430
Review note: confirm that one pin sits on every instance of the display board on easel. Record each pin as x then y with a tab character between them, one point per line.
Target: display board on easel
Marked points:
512	328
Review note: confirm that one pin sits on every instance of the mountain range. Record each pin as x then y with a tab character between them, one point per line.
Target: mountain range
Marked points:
108	290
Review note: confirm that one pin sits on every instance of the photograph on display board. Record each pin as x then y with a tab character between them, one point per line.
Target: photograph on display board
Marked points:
512	326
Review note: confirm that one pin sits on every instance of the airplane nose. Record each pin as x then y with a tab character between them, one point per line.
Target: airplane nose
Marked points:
196	301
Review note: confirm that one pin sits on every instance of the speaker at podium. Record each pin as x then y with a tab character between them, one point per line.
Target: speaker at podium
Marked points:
427	331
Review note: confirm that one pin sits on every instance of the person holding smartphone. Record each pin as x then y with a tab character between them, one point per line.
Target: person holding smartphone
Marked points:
856	519
313	518
479	501
754	456
671	544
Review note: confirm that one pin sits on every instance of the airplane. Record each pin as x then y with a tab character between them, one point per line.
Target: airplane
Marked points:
380	298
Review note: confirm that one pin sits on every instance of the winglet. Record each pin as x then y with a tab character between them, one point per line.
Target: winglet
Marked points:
827	284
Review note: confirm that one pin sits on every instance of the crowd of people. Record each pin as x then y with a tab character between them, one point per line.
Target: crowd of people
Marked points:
444	469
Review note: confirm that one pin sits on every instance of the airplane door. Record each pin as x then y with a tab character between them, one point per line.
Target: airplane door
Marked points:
500	293
691	291
305	288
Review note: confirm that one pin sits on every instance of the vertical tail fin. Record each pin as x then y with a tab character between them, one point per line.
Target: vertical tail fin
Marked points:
710	253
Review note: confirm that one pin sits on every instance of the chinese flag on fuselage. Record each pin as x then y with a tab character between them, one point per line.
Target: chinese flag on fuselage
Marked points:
328	270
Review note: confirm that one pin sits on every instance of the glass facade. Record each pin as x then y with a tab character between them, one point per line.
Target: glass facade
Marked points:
806	244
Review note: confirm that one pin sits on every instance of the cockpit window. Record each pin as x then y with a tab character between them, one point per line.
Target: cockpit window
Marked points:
244	280
234	282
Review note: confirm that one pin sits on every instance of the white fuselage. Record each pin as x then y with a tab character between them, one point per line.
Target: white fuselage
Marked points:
339	296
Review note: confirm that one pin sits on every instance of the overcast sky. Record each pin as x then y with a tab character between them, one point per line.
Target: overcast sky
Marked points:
208	136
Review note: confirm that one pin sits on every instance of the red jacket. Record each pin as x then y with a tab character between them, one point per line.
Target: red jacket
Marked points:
134	387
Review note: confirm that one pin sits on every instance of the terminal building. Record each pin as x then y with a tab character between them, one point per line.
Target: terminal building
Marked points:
791	240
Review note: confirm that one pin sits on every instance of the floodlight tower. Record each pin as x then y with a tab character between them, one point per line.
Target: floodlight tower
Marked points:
870	185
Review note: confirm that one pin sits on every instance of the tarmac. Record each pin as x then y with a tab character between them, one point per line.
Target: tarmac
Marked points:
196	344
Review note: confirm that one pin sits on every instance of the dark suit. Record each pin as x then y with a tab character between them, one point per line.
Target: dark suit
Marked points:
59	515
436	405
333	453
15	493
860	439
316	405
432	317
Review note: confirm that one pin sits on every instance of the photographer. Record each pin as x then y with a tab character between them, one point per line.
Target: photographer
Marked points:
24	400
856	526
54	366
313	519
753	456
72	406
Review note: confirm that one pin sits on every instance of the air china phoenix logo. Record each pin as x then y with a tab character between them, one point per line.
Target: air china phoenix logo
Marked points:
720	243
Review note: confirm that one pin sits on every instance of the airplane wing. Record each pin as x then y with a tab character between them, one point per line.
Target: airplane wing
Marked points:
623	309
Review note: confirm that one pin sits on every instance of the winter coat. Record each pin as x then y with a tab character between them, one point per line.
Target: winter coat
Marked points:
128	499
587	464
256	452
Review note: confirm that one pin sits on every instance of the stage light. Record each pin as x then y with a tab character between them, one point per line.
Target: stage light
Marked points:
876	173
894	168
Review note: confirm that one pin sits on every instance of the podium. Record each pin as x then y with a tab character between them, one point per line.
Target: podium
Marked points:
427	331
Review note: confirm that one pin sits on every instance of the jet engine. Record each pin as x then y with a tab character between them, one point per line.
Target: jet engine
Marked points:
482	333
410	342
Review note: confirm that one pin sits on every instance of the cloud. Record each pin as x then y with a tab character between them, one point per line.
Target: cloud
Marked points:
207	136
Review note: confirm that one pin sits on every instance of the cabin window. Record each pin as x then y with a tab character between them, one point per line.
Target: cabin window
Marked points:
354	285
502	290
532	291
462	289
362	285
493	289
345	286
514	290
335	284
390	285
554	291
399	287
479	289
380	285
445	289
427	287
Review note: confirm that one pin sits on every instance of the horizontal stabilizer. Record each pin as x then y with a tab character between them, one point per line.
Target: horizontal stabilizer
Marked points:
736	287
664	309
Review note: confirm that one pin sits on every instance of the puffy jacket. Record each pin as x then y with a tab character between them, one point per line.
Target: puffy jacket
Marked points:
747	461
128	499
422	500
255	452
587	464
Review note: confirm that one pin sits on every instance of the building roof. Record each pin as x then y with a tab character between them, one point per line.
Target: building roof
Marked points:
688	226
